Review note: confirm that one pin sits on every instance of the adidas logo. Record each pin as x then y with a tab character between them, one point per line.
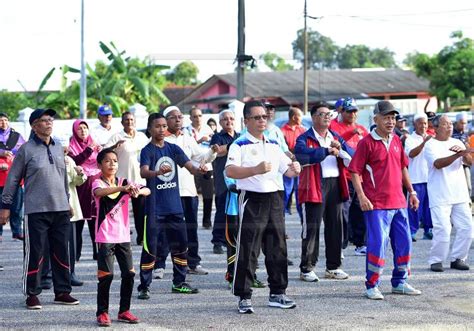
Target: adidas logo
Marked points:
165	186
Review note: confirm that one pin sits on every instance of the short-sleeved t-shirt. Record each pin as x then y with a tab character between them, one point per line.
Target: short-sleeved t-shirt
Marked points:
164	198
248	151
380	166
447	185
418	168
221	138
113	224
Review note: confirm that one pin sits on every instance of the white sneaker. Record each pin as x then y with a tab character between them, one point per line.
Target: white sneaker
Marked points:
309	276
361	251
336	274
159	273
374	294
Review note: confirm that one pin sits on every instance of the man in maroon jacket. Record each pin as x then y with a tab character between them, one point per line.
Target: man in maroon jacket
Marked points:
323	188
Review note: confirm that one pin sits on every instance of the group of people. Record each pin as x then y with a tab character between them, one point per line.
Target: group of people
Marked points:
368	188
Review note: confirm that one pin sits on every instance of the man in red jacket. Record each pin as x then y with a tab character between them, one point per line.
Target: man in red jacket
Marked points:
352	133
322	190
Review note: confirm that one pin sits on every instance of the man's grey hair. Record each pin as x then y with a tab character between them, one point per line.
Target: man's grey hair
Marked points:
225	111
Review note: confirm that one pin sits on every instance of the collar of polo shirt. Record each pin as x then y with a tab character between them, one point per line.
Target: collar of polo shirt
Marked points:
254	139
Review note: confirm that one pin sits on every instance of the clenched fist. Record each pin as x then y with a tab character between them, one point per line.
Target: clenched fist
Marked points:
263	167
295	167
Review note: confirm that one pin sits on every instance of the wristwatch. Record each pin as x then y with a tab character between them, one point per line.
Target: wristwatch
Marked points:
413	193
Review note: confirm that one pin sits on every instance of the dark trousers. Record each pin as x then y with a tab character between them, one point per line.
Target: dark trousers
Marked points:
138	207
291	185
105	274
356	219
231	229
72	247
190	208
422	214
218	231
16	213
79	228
205	184
313	213
51	227
175	229
262	226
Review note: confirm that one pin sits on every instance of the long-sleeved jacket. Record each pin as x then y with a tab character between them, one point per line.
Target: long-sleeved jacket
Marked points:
310	154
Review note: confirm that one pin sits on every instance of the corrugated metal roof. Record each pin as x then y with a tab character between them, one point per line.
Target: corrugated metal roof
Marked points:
325	84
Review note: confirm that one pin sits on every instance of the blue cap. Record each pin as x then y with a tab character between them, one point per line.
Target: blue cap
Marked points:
339	103
349	104
104	110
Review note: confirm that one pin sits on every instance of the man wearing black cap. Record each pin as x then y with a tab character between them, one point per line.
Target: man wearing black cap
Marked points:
10	142
378	169
40	163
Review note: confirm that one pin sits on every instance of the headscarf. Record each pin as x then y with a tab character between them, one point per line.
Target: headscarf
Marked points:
77	146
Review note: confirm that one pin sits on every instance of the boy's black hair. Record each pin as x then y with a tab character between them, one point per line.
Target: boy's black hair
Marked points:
152	117
103	153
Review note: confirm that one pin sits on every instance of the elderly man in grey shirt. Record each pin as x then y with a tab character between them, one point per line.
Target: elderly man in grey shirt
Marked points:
40	163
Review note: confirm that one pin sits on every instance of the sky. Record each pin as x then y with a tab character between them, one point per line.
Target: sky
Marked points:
36	36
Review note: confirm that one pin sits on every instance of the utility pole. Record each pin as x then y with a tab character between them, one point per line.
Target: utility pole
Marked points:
83	88
305	63
241	51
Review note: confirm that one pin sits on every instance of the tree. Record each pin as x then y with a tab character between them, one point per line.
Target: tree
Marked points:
12	102
184	74
322	51
451	71
361	56
275	62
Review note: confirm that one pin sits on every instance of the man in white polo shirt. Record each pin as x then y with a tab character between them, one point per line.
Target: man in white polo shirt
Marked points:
257	163
418	171
449	197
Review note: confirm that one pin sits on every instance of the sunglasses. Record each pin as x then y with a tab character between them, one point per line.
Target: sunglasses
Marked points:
258	117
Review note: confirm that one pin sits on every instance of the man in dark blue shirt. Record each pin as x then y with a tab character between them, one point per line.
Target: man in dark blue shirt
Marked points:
220	143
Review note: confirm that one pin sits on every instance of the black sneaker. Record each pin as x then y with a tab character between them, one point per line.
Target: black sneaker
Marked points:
245	306
65	299
32	302
218	249
437	267
281	301
144	294
459	265
1	268
184	288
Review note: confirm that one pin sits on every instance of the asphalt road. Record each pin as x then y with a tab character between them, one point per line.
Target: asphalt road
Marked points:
447	301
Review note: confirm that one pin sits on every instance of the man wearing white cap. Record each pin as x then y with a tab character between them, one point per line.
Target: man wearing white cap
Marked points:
187	188
449	198
418	171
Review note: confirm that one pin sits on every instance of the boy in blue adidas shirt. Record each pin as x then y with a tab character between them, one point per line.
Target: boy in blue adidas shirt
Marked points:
158	164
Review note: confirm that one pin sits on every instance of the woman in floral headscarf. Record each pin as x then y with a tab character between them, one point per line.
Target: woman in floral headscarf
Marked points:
83	150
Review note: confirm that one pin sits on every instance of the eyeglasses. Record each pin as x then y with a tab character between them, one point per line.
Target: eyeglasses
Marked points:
325	114
174	118
46	120
259	117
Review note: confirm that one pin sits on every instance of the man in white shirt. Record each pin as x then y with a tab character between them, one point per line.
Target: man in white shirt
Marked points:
418	171
102	132
128	144
449	197
202	133
257	163
324	155
187	188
